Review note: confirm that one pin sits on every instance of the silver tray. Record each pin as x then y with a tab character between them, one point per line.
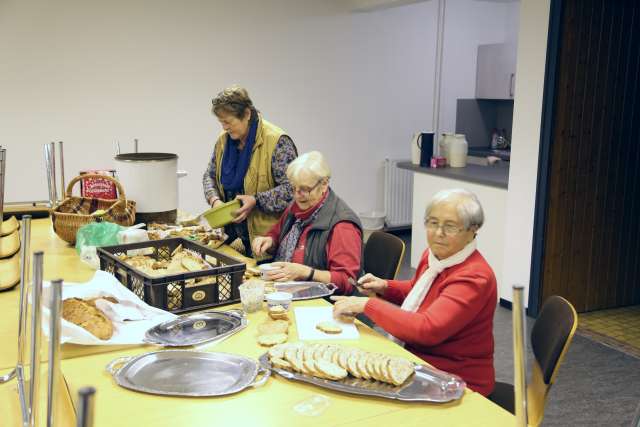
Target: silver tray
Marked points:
197	328
187	373
306	290
427	385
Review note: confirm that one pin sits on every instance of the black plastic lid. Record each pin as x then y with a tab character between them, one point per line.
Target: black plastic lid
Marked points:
140	157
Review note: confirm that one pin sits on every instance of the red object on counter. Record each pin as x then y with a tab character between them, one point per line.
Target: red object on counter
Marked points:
97	187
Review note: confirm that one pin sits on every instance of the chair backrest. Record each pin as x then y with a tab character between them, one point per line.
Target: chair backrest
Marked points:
383	254
551	335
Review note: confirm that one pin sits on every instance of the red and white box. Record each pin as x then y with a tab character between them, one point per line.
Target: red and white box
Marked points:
98	187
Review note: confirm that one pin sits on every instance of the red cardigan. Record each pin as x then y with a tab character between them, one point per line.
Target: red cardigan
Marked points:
343	248
453	327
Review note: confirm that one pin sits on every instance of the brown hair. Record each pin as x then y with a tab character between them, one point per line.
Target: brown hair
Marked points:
234	100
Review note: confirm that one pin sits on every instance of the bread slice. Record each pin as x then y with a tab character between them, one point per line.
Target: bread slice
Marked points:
272	339
281	363
273	327
330	370
400	370
329	327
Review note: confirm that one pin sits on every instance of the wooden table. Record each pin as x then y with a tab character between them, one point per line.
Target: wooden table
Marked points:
270	405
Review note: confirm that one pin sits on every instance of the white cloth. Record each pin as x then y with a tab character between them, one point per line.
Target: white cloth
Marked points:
420	289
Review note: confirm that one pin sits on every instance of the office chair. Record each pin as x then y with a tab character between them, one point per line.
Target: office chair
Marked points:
551	335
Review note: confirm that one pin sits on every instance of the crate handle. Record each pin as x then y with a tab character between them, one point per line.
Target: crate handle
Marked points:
115	365
265	372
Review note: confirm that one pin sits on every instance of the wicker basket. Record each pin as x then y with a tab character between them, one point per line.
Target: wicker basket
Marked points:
74	212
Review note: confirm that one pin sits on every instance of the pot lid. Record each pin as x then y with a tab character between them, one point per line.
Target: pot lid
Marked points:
145	157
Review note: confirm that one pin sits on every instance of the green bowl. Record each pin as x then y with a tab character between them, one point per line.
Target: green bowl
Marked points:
222	215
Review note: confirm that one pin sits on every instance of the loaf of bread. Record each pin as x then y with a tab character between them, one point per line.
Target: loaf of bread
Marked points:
86	315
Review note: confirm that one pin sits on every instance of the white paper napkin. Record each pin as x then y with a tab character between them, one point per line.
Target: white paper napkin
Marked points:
131	318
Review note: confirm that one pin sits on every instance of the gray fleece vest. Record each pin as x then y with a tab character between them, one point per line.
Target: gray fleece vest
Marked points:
332	212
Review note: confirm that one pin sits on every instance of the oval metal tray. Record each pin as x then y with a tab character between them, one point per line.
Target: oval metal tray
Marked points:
305	290
426	385
197	328
187	373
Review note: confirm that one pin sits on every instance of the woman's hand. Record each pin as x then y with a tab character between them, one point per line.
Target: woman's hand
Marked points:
261	245
371	283
289	271
248	203
348	306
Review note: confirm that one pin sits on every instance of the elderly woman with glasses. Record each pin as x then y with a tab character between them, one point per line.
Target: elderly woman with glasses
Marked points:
248	163
318	237
444	315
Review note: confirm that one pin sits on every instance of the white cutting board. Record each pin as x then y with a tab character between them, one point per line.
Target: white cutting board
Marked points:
308	317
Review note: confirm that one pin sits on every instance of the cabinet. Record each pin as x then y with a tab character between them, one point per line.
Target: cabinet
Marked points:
496	71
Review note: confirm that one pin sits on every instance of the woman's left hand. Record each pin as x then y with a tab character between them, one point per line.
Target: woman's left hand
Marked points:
348	306
289	271
248	203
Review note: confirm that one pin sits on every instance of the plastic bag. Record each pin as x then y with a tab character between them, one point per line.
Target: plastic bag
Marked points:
97	234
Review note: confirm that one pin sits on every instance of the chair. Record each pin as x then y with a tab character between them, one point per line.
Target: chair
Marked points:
383	255
551	335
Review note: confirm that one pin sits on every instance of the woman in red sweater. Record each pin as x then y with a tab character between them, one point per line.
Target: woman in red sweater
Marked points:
444	315
318	237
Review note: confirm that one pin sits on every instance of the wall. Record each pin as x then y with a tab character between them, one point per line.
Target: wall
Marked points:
353	85
527	110
490	237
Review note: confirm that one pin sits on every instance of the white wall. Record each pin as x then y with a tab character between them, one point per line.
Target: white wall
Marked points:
467	25
353	85
527	110
490	237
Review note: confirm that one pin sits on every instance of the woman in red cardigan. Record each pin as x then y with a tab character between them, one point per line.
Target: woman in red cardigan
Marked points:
444	315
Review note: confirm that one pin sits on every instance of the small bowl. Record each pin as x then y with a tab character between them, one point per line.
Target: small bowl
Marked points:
222	215
279	298
265	269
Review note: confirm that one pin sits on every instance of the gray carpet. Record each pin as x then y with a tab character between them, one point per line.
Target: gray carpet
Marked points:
596	385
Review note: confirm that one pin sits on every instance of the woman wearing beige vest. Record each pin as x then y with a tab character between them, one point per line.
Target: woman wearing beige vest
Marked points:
249	163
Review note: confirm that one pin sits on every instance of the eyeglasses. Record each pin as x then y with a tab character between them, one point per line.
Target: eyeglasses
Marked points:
447	229
305	191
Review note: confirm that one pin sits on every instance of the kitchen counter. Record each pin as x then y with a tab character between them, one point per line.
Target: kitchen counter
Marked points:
494	176
484	152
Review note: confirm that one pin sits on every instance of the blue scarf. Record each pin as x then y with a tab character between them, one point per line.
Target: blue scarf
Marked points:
235	162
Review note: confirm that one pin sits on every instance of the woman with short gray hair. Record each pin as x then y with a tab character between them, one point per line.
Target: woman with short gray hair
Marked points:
318	238
444	315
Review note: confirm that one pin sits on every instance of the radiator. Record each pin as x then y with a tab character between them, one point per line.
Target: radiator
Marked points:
398	194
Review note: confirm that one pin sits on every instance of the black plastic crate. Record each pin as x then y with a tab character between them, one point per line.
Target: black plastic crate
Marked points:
177	293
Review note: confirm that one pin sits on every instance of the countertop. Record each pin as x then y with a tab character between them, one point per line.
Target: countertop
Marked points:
494	176
484	152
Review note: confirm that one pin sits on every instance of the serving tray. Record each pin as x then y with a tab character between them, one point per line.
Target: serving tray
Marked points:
187	373
305	290
196	328
426	385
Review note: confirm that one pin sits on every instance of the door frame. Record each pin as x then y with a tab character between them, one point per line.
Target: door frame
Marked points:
554	39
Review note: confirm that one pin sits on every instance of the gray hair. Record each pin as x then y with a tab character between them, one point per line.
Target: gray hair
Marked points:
312	162
467	203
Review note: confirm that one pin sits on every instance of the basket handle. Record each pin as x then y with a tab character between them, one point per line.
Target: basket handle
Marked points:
121	194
